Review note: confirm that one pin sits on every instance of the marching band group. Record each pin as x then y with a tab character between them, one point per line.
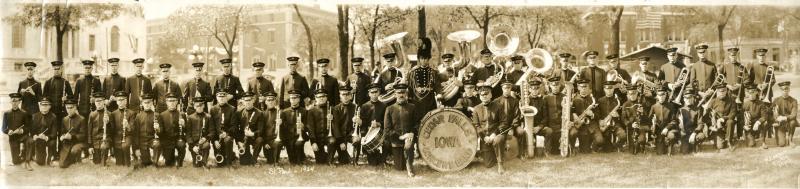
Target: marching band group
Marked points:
137	121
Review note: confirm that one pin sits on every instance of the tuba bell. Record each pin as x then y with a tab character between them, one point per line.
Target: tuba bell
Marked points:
395	41
462	38
503	42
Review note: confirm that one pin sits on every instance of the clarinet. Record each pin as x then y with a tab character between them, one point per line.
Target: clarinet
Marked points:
105	144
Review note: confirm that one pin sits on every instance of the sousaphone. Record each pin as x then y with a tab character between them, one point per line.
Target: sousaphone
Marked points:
463	38
503	42
395	41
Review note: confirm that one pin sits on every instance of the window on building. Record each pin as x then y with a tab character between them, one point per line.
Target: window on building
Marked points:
776	54
18	66
115	39
135	45
18	36
271	35
75	42
91	42
254	36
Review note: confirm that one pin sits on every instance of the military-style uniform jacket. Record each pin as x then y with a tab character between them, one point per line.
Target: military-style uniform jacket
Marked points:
539	102
318	127
54	89
143	131
343	121
289	120
398	121
787	106
372	111
96	127
250	118
331	86
293	81
665	116
30	100
725	107
362	81
14	119
160	91
631	115
758	111
45	123
76	126
84	88
579	105
464	103
136	86
485	119
605	105
702	74
170	131
112	84
596	77
689	121
388	76
225	119
669	72
553	110
231	85
259	85
130	115
758	73
270	116
199	126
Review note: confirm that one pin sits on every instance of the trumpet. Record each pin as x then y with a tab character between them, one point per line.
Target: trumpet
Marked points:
768	80
683	79
278	126
299	129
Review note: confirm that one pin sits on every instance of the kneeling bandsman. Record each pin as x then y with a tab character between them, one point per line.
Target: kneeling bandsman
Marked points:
320	126
785	112
200	132
634	114
371	116
610	124
145	130
272	144
722	110
16	123
224	119
540	127
755	117
248	135
584	128
45	132
342	129
171	134
123	117
293	130
487	121
101	126
664	123
400	129
690	122
73	139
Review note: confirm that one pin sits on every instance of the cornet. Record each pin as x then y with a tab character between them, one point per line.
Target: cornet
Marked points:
683	79
299	129
768	80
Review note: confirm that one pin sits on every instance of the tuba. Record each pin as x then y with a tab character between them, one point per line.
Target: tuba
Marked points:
394	41
503	42
451	87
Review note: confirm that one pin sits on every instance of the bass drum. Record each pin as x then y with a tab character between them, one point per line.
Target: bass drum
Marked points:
447	140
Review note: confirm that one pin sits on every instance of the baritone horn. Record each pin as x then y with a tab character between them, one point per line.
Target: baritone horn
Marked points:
463	38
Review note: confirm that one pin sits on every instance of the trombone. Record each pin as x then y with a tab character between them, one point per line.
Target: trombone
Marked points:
683	79
768	79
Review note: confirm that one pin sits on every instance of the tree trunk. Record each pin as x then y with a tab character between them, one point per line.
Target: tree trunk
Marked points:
342	12
60	44
721	54
615	30
485	26
421	22
372	33
310	40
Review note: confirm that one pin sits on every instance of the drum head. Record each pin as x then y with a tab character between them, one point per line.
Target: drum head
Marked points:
447	139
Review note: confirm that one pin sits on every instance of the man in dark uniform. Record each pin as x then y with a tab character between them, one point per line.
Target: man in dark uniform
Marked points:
16	124
595	76
723	110
251	128
342	129
325	81
585	124
45	133
703	73
517	72
321	116
489	68
609	118
85	87
293	81
759	77
359	81
57	88
400	129
123	118
272	145
562	69
487	122
665	123
619	87
736	75
30	89
424	81
145	132
200	132
371	116
537	100
258	84
646	78
690	122
785	116
391	76
225	120
509	115
756	125
163	87
293	129
636	119
197	87
113	83
137	85
468	99
229	83
670	72
73	137
101	126
169	124
552	113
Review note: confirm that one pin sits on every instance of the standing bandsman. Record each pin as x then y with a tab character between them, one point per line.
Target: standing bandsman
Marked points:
321	122
225	121
73	137
197	87
594	75
200	132
16	124
636	119
229	83
562	69
392	75
30	89
45	133
758	74
248	135
785	116
487	70
359	81
469	99
517	71
646	78
293	127
272	146
101	126
145	132
735	75
171	134
704	72
85	87
57	88
400	129
670	72
541	127
757	111
342	129
137	85
423	82
113	83
164	87
293	81
487	122
259	85
325	81
372	113
664	125
609	118
619	87
123	135
723	109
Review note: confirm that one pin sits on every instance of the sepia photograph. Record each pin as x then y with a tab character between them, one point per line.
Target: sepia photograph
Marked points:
399	94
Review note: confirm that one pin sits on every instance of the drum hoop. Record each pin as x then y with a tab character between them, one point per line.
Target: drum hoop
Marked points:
434	112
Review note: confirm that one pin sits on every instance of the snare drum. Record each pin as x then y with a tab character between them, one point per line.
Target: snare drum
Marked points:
373	140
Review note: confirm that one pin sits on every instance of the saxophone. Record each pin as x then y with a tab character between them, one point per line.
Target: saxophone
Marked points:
246	129
217	152
566	113
199	157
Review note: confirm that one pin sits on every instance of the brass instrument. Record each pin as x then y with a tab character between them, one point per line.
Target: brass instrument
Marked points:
768	80
503	40
278	126
613	75
683	80
125	128
710	91
640	78
299	129
585	112
463	38
740	79
329	118
395	41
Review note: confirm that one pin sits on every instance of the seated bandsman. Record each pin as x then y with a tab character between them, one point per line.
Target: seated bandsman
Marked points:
723	111
101	126
45	132
400	129
468	100
509	114
785	116
272	144
171	134
73	139
14	123
536	100
610	122
584	127
145	128
342	128
755	117
251	128
690	122
320	124
293	130
225	120
637	122
485	119
664	125
200	132
371	117
123	117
